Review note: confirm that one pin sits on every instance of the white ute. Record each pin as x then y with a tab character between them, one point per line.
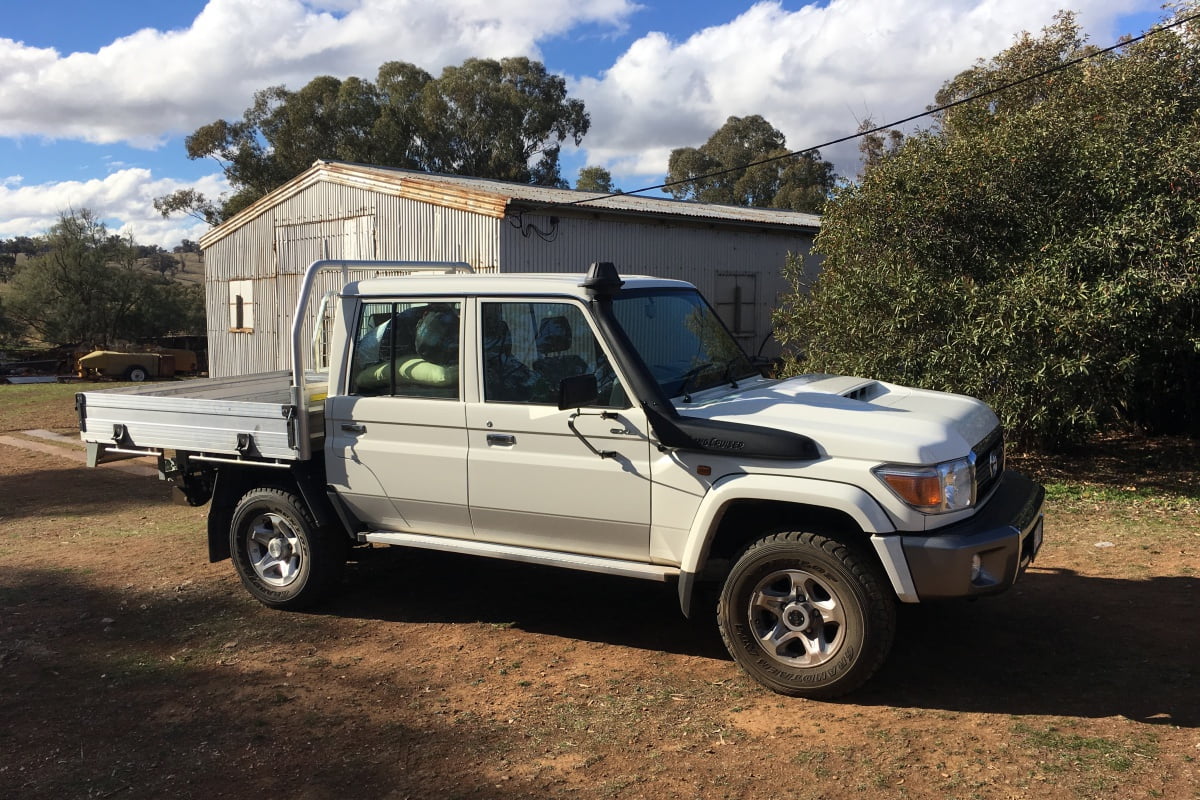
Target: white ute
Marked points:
596	423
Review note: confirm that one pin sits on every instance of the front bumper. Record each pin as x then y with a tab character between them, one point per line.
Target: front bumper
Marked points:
1005	535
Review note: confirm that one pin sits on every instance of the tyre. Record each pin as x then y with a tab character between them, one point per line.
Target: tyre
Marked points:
280	554
136	374
806	615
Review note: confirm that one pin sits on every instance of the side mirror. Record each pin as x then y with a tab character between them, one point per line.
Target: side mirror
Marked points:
577	391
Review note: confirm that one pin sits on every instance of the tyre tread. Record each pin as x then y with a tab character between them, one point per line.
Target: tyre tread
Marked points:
325	557
880	606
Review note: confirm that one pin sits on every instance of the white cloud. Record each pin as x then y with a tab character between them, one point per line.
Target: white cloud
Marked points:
814	73
149	85
123	199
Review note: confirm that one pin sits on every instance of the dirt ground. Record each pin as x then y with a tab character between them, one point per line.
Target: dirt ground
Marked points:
131	667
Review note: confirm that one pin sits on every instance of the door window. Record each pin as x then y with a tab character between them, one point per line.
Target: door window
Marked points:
529	348
407	349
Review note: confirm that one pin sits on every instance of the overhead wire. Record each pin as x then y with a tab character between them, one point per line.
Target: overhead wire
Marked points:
1125	42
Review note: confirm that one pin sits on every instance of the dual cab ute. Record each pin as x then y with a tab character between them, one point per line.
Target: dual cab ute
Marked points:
594	423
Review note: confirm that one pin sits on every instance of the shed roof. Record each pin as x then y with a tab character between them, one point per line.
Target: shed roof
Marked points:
496	198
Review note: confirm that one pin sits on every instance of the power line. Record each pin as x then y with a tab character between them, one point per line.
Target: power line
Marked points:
928	112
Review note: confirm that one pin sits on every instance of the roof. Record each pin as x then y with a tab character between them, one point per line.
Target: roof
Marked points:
483	284
495	198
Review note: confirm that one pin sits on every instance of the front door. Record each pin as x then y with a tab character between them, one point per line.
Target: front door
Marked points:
532	481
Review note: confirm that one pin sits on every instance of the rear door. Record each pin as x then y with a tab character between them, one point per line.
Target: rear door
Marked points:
397	439
532	481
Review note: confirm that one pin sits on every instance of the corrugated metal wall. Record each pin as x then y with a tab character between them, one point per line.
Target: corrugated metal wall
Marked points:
325	221
333	221
699	254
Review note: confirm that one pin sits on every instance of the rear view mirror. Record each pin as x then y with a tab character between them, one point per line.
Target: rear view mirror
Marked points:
577	391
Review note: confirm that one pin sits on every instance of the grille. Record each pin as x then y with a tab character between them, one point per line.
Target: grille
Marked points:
989	463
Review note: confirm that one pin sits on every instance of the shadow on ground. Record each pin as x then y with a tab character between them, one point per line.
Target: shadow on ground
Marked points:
1058	643
1164	465
85	492
189	693
196	691
425	586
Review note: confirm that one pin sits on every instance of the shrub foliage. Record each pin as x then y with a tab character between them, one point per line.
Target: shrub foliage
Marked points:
1037	248
86	286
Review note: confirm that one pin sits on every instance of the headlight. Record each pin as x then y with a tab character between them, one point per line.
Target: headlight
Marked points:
949	486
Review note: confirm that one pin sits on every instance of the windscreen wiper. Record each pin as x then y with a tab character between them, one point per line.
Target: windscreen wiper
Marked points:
689	377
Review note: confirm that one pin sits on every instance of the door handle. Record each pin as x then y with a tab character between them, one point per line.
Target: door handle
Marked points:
504	439
353	427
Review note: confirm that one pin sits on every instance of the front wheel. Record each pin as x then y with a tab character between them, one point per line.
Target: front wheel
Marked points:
280	554
806	615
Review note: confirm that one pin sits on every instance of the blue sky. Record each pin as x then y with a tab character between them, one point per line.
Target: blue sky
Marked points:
96	98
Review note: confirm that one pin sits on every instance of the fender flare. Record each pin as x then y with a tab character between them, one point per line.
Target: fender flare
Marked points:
231	483
847	498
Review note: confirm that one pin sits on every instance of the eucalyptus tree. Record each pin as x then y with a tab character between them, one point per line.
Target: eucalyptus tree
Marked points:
746	163
505	119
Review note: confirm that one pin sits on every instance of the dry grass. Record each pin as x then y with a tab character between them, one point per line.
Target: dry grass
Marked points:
50	406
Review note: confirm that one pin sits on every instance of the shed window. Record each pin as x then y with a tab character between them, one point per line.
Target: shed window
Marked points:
241	306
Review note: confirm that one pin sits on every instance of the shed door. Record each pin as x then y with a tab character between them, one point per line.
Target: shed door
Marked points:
737	305
300	244
297	246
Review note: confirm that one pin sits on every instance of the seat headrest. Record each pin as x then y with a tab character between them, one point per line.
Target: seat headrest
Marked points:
437	337
554	335
497	338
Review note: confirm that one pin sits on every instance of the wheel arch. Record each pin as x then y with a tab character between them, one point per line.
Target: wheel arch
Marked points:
233	482
746	519
229	486
741	508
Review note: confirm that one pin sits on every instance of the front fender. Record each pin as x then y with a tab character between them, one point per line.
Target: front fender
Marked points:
843	497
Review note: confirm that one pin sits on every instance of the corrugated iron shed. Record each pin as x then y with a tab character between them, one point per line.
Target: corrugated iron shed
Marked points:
355	211
494	198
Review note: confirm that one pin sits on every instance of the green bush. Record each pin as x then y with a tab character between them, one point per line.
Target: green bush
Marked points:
86	287
1037	250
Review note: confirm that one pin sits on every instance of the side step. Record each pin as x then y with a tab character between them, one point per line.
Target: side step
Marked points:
529	555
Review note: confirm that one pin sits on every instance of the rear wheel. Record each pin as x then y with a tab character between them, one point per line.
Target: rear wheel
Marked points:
136	374
280	554
806	615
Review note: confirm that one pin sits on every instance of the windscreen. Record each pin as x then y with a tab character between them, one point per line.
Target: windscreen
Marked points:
681	340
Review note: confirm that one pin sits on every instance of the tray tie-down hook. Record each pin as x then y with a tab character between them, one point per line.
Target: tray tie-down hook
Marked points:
120	436
245	444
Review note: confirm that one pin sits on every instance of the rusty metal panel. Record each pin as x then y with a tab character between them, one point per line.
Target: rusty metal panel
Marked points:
248	254
409	230
496	198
